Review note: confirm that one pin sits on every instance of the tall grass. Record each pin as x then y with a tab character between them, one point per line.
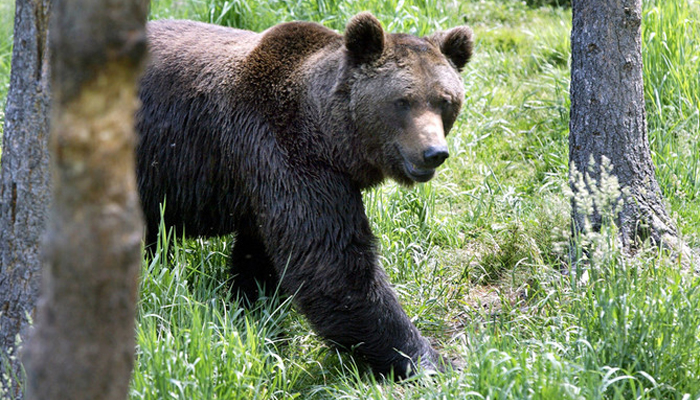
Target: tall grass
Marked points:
417	17
195	342
671	53
7	12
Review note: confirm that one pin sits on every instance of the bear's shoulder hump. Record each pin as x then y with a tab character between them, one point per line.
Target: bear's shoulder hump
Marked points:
299	37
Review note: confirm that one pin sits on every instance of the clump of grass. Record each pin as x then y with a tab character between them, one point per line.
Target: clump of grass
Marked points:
635	314
195	341
175	9
671	55
418	18
7	12
639	323
671	39
494	13
548	3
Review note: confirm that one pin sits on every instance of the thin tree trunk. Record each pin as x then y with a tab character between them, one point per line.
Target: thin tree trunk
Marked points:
608	119
24	185
83	343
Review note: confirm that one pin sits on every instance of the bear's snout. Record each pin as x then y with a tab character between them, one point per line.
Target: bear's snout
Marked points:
434	156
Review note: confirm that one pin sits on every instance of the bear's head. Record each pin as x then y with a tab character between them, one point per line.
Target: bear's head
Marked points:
405	94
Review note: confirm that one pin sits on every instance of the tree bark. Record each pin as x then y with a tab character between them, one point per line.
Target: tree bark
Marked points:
83	343
608	120
24	185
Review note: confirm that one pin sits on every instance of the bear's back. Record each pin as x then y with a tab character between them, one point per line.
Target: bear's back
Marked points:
195	54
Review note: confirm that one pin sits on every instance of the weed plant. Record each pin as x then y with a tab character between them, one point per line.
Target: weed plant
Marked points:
480	255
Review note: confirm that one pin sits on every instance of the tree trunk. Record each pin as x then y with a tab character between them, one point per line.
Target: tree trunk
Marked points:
24	186
608	120
83	343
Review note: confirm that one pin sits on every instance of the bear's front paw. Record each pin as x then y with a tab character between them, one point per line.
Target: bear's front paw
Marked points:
429	362
432	363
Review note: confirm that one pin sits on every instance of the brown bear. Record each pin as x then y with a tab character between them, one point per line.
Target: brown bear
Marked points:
273	136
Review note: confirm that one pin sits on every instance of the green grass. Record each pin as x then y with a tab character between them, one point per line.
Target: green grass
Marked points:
671	36
7	12
478	254
420	17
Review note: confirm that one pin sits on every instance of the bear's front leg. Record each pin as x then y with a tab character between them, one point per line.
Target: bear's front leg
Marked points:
320	241
370	320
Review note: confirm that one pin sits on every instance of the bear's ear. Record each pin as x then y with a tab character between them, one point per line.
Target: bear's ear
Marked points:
456	44
364	38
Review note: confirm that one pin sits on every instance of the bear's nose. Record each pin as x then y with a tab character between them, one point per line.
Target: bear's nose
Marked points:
435	155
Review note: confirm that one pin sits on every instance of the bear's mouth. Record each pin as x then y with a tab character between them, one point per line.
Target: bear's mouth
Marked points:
417	173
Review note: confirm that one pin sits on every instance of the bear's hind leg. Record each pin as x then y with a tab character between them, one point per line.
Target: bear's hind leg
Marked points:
253	273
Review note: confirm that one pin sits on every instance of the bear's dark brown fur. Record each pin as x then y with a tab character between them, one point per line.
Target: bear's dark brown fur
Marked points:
272	136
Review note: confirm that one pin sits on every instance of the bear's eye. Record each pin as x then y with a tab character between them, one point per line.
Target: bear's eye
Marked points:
402	104
445	103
